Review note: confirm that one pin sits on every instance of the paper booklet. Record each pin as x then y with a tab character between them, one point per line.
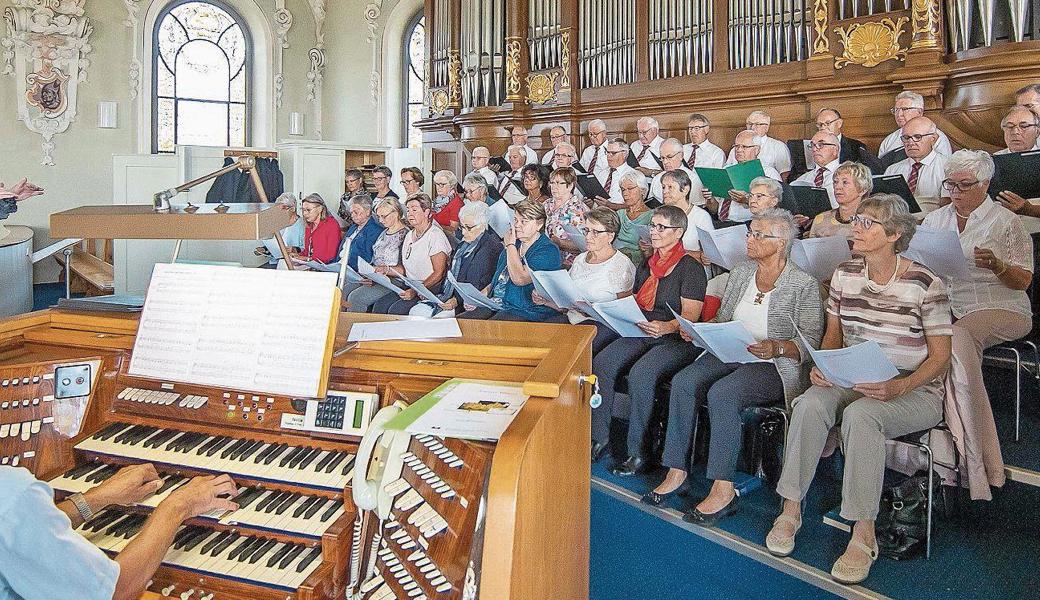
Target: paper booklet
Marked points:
368	271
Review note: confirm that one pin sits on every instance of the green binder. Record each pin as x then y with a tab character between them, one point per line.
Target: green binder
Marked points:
734	177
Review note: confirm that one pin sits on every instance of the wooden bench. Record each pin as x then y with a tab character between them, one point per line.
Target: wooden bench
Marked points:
91	268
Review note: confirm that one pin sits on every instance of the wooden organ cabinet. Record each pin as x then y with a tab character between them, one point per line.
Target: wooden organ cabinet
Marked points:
502	521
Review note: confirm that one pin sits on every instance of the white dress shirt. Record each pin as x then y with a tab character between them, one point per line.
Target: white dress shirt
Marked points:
648	161
697	217
929	177
615	182
695	190
773	153
995	228
509	191
532	156
601	161
892	142
488	174
809	178
548	157
708	155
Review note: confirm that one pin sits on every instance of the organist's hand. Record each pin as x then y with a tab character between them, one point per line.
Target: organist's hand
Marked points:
128	486
201	495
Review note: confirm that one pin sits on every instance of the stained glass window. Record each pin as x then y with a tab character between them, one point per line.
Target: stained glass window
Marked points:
200	77
416	48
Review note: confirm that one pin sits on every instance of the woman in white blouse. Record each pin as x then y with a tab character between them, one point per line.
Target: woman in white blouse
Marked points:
675	187
990	306
601	273
425	254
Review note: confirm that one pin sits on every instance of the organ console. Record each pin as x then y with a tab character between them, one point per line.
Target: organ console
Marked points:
463	519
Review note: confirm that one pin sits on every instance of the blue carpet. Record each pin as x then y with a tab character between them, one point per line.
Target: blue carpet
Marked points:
651	558
45	295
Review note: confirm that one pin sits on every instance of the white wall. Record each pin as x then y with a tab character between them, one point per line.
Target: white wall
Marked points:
83	171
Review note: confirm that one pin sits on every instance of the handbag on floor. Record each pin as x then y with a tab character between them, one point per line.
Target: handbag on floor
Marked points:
902	522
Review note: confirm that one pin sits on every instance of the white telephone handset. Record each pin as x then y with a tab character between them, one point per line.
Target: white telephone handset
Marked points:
379	463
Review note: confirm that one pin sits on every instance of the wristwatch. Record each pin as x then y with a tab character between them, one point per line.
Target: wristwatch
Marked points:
81	505
779	349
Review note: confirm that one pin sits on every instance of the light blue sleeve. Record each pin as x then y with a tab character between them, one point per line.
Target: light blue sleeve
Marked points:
43	557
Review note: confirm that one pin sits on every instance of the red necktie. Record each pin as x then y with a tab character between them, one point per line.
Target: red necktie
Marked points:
819	177
693	156
595	157
912	181
610	180
505	182
724	209
642	153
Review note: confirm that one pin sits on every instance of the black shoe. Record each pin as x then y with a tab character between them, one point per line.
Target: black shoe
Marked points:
656	498
599	450
710	519
630	467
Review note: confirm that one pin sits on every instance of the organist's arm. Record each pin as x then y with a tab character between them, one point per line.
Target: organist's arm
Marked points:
139	560
129	486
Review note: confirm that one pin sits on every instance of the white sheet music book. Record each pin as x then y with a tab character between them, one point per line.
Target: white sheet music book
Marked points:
726	247
939	250
727	341
423	291
471	295
229	327
422	329
369	272
272	246
819	257
558	287
621	315
846	367
576	237
500	218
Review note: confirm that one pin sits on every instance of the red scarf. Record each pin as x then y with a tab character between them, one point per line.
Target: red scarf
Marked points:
660	267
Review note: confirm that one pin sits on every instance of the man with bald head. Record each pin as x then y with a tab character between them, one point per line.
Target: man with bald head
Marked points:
924	167
672	157
594	157
519	136
1029	98
747	146
557	135
1020	134
910	105
830	121
825	151
479	161
648	146
772	152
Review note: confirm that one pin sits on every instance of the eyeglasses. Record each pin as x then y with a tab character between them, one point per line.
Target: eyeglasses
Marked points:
760	197
406	181
558	137
820	125
1023	127
481	158
672	155
864	221
468	227
751	124
379	177
590	231
964	186
697	127
659	228
821	145
354	180
559	155
759	235
597	133
628	188
743	147
441	183
898	109
530	177
557	182
643	131
915	138
616	151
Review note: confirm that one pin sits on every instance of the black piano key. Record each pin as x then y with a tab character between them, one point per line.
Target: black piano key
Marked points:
80	471
287	502
134	527
229	450
120	526
224	441
324	462
169	482
290	456
251	498
262	551
100	522
277	452
267	451
346	467
190	445
224	544
296	460
310	458
290	556
210	545
313	554
126	433
102	474
206	534
266	501
241	450
314	508
239	548
331	511
303	507
209	444
251	451
278	555
243	495
340	457
196	532
249	548
277	502
109	431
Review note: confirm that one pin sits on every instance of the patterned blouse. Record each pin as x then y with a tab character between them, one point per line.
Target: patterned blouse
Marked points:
897	316
386	251
570	212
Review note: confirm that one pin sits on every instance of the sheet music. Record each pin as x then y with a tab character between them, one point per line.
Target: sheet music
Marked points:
939	250
471	295
421	329
819	257
558	287
576	237
726	247
846	367
272	247
727	341
423	291
261	330
369	272
500	218
622	315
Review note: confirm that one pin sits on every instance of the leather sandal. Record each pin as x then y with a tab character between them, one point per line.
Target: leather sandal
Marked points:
842	572
779	545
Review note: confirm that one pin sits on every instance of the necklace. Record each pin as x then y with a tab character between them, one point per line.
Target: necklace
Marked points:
837	217
880	288
959	215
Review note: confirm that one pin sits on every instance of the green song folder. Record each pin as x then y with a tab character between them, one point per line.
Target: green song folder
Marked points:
734	177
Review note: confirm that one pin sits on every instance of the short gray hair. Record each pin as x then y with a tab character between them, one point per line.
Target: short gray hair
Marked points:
597	123
453	180
1019	108
976	162
478	211
475	179
673	142
516	148
775	190
567	145
637	178
622	144
894	215
781	224
916	100
860	174
760	113
287	199
649	121
681	179
363	200
392	203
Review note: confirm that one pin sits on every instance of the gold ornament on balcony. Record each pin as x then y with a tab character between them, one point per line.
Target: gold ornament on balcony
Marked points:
541	87
439	102
870	44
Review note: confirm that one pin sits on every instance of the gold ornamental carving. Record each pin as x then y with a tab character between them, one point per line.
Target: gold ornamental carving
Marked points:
454	79
926	22
821	45
513	69
439	102
565	59
870	44
541	87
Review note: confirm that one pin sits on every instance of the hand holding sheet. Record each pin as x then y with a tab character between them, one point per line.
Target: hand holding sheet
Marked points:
847	367
726	247
727	342
369	272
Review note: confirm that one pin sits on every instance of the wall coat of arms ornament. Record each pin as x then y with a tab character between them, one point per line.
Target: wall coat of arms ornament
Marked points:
45	49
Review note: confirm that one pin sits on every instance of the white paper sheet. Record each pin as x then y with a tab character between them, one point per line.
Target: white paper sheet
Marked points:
728	341
272	247
315	265
576	237
471	295
846	367
423	291
558	287
726	247
500	218
54	248
368	271
819	257
471	410
939	250
420	329
622	315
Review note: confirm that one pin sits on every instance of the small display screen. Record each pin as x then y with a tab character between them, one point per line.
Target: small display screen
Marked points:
359	413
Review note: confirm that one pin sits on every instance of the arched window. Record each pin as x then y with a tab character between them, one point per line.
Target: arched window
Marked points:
415	74
200	76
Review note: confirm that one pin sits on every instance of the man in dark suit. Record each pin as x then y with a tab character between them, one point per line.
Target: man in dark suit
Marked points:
829	119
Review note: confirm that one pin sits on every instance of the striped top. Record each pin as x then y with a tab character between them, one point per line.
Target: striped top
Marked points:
897	316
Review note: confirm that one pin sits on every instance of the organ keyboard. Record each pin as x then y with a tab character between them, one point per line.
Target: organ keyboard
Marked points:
468	519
